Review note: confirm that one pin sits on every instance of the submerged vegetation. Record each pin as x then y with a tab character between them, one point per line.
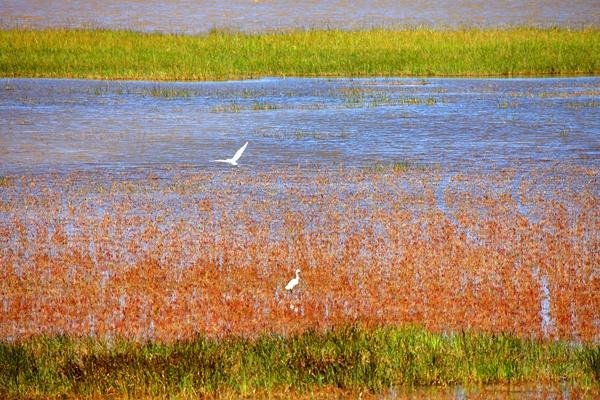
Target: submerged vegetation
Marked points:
171	283
348	358
167	257
223	55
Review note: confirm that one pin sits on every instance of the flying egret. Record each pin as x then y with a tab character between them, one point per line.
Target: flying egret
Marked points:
293	282
236	156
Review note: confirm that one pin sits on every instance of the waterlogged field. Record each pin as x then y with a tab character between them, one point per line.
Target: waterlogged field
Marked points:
447	233
166	256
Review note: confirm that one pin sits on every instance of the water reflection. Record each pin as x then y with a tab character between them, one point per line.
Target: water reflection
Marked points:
199	16
457	124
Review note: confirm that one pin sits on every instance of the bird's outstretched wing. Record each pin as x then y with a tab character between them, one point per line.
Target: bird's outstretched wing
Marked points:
238	153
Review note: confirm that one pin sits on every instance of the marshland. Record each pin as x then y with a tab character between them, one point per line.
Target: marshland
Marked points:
437	186
226	55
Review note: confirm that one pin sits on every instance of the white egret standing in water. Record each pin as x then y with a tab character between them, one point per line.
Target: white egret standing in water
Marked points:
236	156
293	282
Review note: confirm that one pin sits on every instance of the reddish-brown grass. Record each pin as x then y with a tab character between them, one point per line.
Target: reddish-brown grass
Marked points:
167	256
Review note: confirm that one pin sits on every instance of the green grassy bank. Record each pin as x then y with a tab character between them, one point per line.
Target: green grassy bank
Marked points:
346	358
227	55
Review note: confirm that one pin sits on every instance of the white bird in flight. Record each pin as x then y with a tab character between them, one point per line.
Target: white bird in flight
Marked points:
293	282
236	156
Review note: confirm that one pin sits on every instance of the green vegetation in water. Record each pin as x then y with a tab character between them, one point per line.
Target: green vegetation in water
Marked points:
507	104
319	135
350	98
583	104
158	91
264	106
221	55
162	91
348	358
398	166
236	107
355	97
227	108
302	134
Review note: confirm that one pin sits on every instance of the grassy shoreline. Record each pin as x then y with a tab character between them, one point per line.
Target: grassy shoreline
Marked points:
219	55
349	358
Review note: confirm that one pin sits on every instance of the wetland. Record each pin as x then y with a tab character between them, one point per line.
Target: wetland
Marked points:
433	170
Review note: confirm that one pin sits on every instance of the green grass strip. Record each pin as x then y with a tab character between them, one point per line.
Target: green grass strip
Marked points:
223	55
348	358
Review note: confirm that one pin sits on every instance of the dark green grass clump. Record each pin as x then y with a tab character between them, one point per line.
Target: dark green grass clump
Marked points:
347	358
71	53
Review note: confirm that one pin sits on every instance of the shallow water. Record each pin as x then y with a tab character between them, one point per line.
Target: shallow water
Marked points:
539	392
199	16
139	154
456	124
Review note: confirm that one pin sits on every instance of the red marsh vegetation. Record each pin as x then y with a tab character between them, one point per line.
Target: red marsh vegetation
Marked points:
167	255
